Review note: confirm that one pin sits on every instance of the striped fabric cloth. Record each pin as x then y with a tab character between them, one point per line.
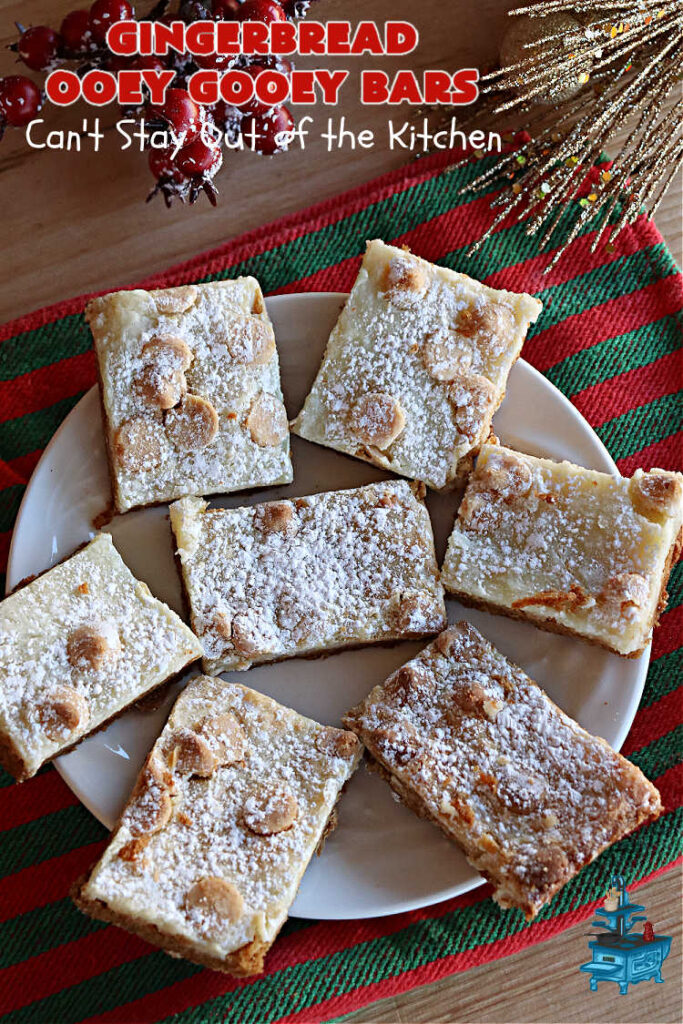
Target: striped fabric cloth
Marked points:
609	338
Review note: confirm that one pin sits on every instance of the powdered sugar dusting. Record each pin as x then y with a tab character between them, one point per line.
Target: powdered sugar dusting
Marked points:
208	837
503	770
398	336
146	641
531	530
223	329
339	568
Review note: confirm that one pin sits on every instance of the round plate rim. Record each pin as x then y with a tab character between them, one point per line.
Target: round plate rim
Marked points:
610	466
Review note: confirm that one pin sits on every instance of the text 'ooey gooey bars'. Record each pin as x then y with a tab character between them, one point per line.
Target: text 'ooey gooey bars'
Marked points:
468	741
190	386
570	549
234	799
307	575
415	367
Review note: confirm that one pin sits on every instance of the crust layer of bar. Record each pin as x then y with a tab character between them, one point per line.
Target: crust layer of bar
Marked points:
468	741
308	575
415	367
190	388
78	645
572	550
236	796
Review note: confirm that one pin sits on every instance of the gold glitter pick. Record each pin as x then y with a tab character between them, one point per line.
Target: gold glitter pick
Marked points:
630	59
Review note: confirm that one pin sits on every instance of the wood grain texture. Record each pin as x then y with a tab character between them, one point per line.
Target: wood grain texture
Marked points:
78	222
544	983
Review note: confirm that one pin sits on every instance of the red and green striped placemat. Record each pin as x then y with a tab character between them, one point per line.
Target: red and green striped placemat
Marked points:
609	338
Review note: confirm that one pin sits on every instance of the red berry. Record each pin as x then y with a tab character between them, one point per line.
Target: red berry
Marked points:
162	165
75	31
255	105
225	114
200	157
181	113
39	47
20	100
261	10
114	63
148	63
225	10
215	61
228	119
104	13
267	130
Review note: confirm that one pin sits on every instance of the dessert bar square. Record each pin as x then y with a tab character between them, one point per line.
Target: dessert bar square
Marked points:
308	575
415	367
234	799
572	550
77	646
190	387
469	742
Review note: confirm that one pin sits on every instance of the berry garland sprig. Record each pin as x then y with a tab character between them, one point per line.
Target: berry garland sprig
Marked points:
188	172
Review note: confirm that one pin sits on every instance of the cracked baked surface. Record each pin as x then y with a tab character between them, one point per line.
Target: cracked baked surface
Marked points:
190	387
309	574
469	741
231	805
78	645
567	548
415	367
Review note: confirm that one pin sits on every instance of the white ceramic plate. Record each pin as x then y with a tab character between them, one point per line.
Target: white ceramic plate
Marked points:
382	859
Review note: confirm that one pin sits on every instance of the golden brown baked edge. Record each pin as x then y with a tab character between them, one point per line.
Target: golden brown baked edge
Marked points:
242	963
551	626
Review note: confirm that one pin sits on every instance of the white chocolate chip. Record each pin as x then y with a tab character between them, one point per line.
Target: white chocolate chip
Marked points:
160	390
377	419
161	382
656	494
190	753
270	812
216	902
404	281
505	474
250	341
416	611
247	637
277	517
337	742
193	424
446	355
92	646
492	319
492	708
625	592
170	301
151	805
169	351
62	713
267	421
474	398
137	445
226	738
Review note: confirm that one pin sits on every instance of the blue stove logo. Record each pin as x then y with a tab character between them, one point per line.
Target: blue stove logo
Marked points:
619	954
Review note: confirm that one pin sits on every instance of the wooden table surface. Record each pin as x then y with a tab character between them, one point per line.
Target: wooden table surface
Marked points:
77	222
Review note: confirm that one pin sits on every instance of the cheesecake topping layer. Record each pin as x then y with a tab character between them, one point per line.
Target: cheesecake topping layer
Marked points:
416	366
310	574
